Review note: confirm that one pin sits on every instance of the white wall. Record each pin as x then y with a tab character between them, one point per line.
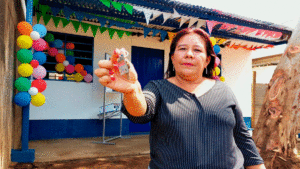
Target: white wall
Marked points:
71	100
264	74
237	70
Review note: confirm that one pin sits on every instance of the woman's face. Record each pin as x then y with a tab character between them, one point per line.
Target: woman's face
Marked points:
189	58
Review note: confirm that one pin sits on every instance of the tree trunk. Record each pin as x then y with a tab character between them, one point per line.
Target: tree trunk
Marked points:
276	129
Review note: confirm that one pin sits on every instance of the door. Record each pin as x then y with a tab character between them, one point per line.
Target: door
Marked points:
149	64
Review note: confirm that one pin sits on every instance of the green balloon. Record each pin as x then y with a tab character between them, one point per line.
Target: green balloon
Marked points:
23	84
69	53
24	56
49	37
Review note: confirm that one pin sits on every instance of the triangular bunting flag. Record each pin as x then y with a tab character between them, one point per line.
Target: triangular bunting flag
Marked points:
175	14
46	18
38	17
111	23
76	25
171	36
156	14
127	26
44	9
128	33
102	21
117	5
102	29
120	33
200	23
68	12
146	31
94	29
65	22
166	16
163	35
147	14
128	8
79	16
106	3
111	32
183	20
155	31
36	4
138	8
210	25
192	21
85	26
56	21
55	11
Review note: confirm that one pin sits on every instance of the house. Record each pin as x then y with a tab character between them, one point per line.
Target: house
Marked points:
95	28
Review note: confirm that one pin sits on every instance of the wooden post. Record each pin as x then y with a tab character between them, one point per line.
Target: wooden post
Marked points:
253	99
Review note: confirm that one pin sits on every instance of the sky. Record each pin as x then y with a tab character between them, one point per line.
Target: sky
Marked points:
282	12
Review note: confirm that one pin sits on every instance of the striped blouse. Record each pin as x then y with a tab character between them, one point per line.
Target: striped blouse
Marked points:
189	132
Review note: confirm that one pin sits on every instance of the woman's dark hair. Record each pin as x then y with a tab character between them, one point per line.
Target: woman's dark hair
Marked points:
209	51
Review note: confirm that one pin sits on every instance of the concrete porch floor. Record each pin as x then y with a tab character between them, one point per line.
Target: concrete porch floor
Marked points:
84	148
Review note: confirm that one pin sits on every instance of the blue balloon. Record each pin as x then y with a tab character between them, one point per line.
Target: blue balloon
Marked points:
58	43
40	56
88	68
22	99
41	29
217	49
71	60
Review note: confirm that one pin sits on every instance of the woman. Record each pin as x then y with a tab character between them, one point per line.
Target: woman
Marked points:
196	122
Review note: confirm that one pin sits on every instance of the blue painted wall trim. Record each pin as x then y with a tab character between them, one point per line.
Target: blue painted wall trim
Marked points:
82	128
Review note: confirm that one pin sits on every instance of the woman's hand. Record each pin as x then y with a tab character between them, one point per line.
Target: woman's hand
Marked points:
109	74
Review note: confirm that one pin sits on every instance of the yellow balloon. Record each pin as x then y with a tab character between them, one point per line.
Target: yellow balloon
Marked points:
38	99
78	77
60	67
25	70
213	40
222	78
216	71
24	42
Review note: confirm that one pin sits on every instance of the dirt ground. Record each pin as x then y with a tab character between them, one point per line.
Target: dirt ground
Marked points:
121	162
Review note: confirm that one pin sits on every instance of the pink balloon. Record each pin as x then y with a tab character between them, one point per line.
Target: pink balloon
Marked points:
70	69
53	52
217	61
39	72
39	45
88	78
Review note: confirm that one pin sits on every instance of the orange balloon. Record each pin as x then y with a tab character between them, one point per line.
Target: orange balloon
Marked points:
60	58
79	68
83	73
24	28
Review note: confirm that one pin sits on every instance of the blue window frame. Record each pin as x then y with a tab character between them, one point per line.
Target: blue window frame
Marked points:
83	54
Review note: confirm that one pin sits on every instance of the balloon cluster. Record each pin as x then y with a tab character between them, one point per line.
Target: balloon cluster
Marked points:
31	65
67	63
217	70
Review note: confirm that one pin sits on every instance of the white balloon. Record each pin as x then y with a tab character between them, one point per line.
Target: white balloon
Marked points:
35	35
33	91
61	51
66	63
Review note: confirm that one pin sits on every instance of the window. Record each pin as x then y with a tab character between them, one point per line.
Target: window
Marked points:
83	54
